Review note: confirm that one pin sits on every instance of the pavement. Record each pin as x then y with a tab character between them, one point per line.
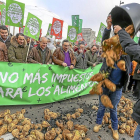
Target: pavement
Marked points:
88	117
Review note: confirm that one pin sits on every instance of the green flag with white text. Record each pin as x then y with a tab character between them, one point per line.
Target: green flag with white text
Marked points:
14	13
33	26
75	20
26	83
3	13
100	33
80	26
72	33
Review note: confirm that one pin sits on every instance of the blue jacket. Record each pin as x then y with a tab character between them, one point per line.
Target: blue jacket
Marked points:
131	66
126	58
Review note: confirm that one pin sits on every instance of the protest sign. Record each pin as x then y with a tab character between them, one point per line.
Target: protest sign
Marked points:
80	37
3	14
75	20
56	28
100	33
72	33
24	84
33	26
14	13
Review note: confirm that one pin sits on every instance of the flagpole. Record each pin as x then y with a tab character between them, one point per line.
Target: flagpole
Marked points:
13	31
9	29
28	50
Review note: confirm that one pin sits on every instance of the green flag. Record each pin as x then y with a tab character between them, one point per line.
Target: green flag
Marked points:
49	30
75	20
33	26
3	13
100	33
72	33
80	26
14	13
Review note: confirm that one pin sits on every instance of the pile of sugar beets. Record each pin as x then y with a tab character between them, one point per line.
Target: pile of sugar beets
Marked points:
23	129
124	110
64	129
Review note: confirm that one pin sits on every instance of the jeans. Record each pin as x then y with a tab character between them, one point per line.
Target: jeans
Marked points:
115	98
137	133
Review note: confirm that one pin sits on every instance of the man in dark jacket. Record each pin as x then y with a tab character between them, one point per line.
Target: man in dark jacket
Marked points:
4	36
133	50
92	56
120	79
81	57
100	59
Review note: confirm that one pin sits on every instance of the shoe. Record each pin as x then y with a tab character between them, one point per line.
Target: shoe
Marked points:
97	127
115	134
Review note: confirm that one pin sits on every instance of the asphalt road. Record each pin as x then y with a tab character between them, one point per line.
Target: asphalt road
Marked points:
88	117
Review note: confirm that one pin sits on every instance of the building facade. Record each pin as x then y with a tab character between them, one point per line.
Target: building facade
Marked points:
88	36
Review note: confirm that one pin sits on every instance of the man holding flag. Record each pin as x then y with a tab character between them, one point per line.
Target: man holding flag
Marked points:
17	51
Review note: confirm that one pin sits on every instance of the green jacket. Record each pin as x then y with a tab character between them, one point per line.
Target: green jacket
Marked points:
17	53
91	59
81	61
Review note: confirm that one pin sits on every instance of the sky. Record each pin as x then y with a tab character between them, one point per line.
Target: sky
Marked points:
93	12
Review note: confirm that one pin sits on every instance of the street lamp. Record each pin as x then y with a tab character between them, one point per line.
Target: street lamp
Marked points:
121	3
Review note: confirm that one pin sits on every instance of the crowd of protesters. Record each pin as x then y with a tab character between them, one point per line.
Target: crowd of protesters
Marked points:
22	49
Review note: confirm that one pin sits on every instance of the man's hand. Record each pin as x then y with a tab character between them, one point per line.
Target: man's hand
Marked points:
94	65
71	67
117	28
109	22
80	51
138	71
64	64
